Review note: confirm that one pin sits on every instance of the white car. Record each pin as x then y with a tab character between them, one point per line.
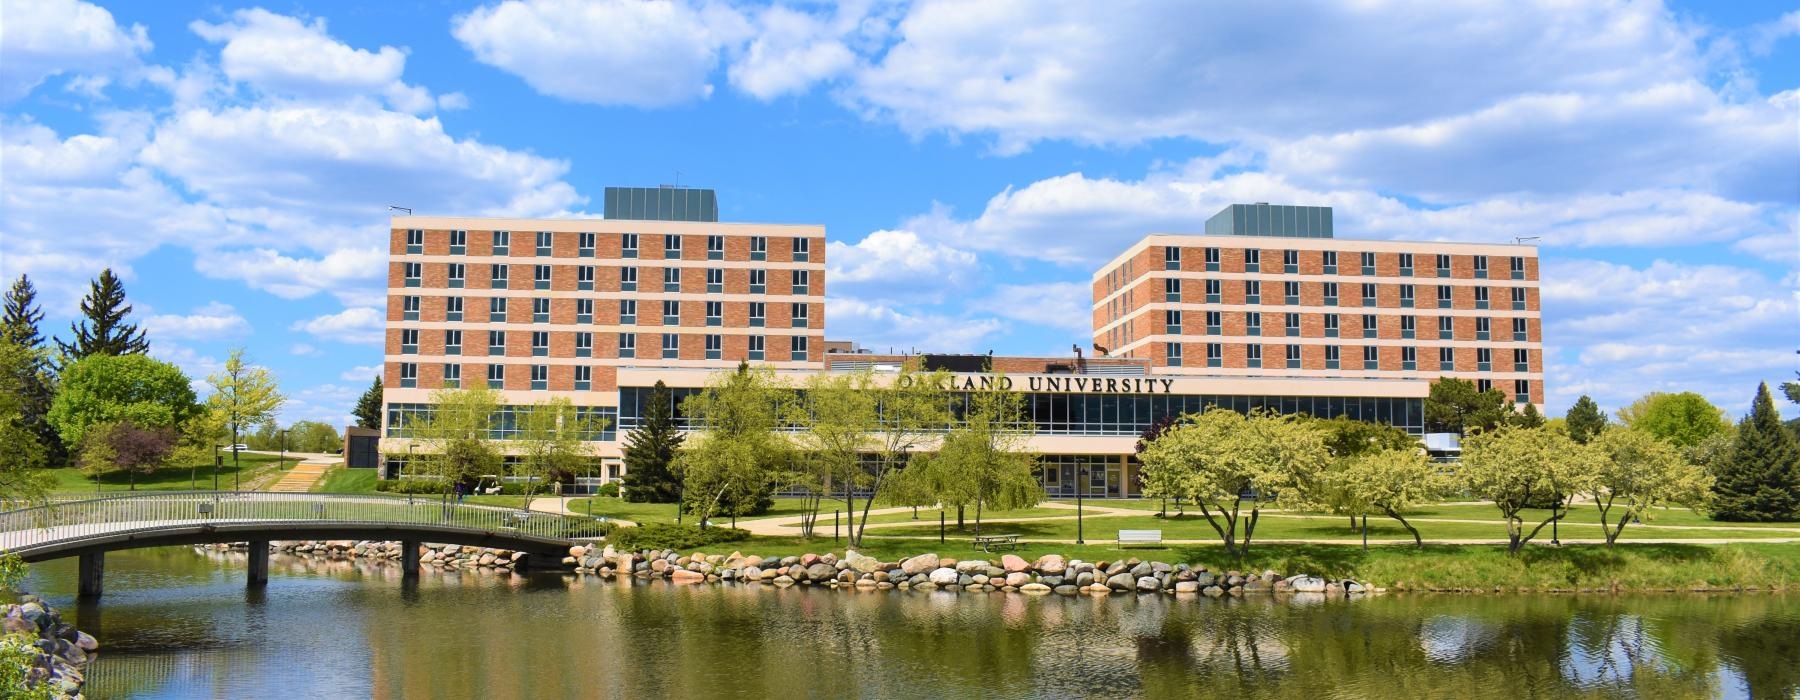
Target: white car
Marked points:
240	447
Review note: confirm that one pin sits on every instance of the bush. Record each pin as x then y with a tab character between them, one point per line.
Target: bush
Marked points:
609	490
431	486
671	536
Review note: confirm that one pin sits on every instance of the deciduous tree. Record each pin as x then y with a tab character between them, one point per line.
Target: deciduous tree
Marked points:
102	329
1684	420
1224	461
737	453
982	460
1635	474
245	395
552	442
127	447
111	388
455	439
1516	467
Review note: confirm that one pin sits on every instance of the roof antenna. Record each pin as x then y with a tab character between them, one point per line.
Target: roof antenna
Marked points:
1522	239
404	209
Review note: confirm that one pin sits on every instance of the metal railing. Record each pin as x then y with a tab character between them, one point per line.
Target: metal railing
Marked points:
69	518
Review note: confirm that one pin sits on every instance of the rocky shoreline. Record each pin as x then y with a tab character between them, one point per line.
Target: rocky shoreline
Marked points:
60	653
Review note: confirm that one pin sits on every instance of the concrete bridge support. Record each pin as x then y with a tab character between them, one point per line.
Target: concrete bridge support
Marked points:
409	559
259	564
91	569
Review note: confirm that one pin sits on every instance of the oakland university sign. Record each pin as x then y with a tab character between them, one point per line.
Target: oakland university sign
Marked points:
1051	384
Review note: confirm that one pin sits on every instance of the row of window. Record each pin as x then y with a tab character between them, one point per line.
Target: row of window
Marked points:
542	277
1371	357
756	312
507	422
627	349
1328	262
1174	287
587	244
1174	324
584	344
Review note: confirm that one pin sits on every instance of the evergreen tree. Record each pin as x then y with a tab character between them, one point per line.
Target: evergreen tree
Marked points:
650	452
103	330
32	376
1457	406
1760	481
1585	420
368	408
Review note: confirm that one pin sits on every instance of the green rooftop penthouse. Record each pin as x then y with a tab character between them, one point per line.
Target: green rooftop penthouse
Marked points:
1262	219
665	203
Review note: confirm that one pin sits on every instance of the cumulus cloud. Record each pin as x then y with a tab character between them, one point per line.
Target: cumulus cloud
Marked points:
213	321
350	273
880	327
1064	306
893	262
359	324
361	373
45	38
286	56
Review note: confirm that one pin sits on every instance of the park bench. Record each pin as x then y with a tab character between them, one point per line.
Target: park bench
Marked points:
1146	537
517	518
989	543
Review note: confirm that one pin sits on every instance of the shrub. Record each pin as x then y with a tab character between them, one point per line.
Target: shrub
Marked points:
671	536
609	490
431	486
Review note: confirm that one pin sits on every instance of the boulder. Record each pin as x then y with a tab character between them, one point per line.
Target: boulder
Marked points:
578	551
1066	590
1142	569
1354	587
943	576
1051	565
784	580
1034	589
821	571
1160	567
971	566
1084	579
923	563
1308	584
686	576
1213	591
1148	583
809	559
1018	578
861	563
1013	563
1186	586
1121	582
965	580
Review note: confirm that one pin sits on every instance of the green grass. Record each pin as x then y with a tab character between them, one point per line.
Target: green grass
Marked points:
1580	513
170	478
1277	526
340	480
665	512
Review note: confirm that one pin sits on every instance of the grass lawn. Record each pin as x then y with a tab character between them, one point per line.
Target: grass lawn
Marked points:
665	512
340	480
1274	526
1588	513
170	478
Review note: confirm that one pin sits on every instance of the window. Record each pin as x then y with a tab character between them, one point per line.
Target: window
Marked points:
540	344
1212	291
1331	294
1331	325
1518	268
496	343
1213	319
585	244
540	377
1368	263
1369	325
1212	259
671	346
1446	327
584	344
1371	357
1252	260
671	279
1481	297
453	309
415	241
1483	326
1290	293
1368	294
802	249
1444	296
1293	357
1409	358
1522	391
1172	321
1518	298
413	273
715	247
756	347
498	276
1406	264
759	248
502	243
540	310
627	312
1252	323
1330	262
1215	355
584	310
671	312
628	279
1406	296
1171	257
800	314
1409	327
1172	289
409	375
802	281
1253	356
715	313
409	341
1521	360
627	345
1174	353
409	308
584	377
1443	265
544	240
459	242
1446	359
715	346
452	376
1252	292
1519	332
797	345
452	342
458	274
496	309
759	313
1481	267
1332	356
584	278
1292	325
671	247
496	376
628	245
715	281
758	281
1290	261
1484	359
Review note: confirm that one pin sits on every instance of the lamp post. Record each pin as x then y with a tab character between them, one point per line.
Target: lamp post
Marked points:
281	462
1554	540
1080	489
217	462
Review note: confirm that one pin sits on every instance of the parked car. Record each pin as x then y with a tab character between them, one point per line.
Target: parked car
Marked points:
240	447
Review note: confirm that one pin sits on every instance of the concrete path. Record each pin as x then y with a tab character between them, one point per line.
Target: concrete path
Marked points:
302	477
558	506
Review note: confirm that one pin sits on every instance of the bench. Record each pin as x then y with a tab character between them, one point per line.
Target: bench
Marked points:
989	543
517	518
1147	537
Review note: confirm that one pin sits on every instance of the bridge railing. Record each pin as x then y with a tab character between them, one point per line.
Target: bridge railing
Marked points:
63	518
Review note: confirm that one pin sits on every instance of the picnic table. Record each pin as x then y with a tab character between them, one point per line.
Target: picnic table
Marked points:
989	543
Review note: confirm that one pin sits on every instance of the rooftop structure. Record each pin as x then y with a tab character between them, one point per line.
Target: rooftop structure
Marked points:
1263	219
665	203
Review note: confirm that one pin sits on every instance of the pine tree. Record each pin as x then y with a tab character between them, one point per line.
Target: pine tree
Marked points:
1761	479
650	452
368	408
1585	420
103	330
35	383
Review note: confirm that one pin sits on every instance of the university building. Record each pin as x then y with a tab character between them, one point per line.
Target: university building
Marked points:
1266	309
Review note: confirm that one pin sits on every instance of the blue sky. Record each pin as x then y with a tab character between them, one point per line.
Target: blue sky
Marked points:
971	162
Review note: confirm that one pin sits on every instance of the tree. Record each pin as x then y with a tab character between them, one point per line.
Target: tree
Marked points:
914	411
840	422
650	451
1527	417
1683	419
456	436
244	394
368	407
109	388
20	476
1637	474
103	330
1386	481
1348	437
1223	460
1585	420
1760	480
127	447
735	455
552	443
1456	406
33	380
1517	467
982	460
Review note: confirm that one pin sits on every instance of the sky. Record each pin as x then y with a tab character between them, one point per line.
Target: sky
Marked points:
971	162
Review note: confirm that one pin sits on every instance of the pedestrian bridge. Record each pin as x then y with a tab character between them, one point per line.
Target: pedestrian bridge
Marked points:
88	527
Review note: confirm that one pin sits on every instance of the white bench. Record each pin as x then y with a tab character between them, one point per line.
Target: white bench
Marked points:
1131	537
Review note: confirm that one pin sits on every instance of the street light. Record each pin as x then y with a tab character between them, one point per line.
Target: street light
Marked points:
217	462
1554	541
281	462
1080	489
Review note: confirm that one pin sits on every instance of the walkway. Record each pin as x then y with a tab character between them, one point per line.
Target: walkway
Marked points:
559	505
302	477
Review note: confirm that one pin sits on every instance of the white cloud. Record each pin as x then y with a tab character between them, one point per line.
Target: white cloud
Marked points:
1064	306
304	350
793	50
881	328
359	324
349	273
361	373
327	403
44	38
284	56
210	322
195	365
893	262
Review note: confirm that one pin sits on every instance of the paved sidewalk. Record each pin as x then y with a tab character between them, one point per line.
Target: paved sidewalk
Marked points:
558	505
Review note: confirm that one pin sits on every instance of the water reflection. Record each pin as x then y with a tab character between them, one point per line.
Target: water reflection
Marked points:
180	624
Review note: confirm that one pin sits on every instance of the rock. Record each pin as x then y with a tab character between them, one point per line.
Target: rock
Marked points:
1013	563
926	586
1148	583
964	580
1186	587
923	563
784	581
1034	589
1160	568
1257	585
1051	565
1308	584
1234	580
487	559
1116	568
1051	581
972	566
861	563
685	576
980	578
658	565
1213	591
1204	578
1121	581
752	572
1354	587
809	559
86	641
1141	570
821	571
1084	579
1066	590
578	551
943	576
1019	578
